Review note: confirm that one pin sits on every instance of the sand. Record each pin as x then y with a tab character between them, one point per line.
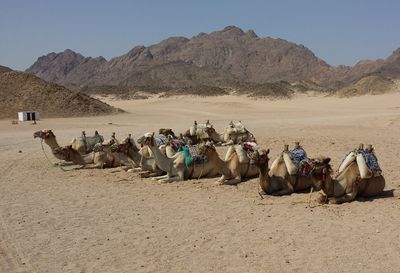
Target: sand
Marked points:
112	221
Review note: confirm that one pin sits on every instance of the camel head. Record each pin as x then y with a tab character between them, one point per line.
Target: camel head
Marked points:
149	139
120	148
126	145
260	157
44	134
209	130
206	147
166	132
321	170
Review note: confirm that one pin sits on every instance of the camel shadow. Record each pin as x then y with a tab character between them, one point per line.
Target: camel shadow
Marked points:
383	195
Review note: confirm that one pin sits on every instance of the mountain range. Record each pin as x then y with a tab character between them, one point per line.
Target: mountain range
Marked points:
223	58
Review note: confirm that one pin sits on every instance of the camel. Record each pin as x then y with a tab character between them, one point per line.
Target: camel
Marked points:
84	144
175	167
101	157
232	170
198	133
278	181
236	133
146	165
346	185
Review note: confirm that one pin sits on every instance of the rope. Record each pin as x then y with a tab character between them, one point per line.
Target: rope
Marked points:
48	159
309	197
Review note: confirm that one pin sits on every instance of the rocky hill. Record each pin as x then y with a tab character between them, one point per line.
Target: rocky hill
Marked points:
370	85
4	69
22	91
221	58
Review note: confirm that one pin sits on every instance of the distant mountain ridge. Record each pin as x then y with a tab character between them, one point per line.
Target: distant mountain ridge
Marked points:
221	58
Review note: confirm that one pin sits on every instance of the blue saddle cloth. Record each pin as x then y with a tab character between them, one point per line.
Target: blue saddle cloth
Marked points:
300	159
298	155
161	140
371	160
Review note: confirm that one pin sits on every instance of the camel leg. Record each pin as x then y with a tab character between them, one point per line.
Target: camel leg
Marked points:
133	170
221	180
64	163
93	166
348	197
170	179
230	142
148	174
160	177
288	189
233	181
152	174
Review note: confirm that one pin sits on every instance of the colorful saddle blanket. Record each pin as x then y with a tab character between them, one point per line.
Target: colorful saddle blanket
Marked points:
177	144
192	157
303	163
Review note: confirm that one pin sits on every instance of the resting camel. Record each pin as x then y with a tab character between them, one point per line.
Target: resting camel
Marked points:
346	185
84	144
231	169
198	133
100	157
175	167
278	182
146	165
236	133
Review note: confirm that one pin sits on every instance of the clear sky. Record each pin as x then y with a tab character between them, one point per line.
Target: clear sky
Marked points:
338	31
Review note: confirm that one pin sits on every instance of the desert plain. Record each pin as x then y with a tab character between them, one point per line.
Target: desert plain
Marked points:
113	221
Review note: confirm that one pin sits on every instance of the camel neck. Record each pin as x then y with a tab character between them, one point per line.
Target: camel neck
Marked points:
265	179
162	161
328	186
221	165
136	157
52	143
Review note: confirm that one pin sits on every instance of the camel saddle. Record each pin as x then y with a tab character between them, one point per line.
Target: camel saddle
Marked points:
177	144
250	148
192	156
303	163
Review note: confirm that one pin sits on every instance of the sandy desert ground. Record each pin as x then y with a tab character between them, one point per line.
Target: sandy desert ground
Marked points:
113	221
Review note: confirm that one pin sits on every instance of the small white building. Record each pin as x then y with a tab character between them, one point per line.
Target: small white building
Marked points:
28	115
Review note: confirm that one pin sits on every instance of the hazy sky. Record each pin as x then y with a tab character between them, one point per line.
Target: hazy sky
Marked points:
338	31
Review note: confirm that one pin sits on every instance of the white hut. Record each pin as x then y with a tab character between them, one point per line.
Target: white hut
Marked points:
28	115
